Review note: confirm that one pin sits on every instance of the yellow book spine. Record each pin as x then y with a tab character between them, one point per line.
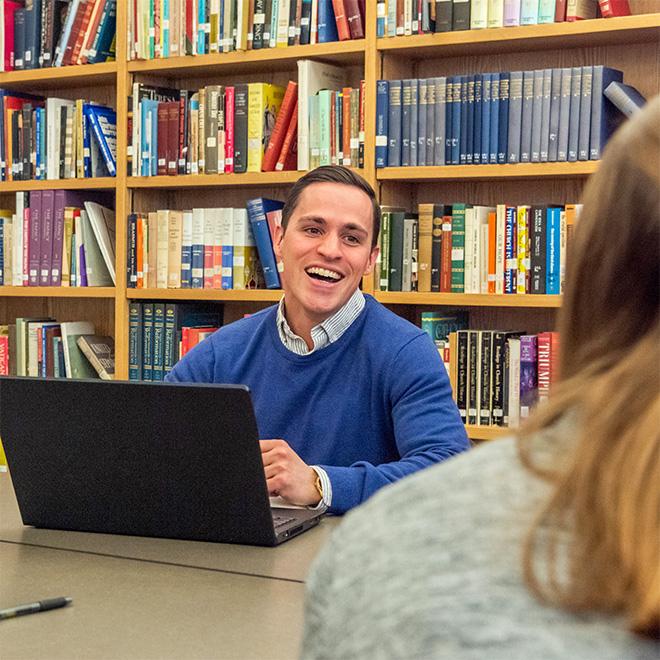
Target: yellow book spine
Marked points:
66	247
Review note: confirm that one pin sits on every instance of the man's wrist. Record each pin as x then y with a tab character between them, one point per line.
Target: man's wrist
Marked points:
324	488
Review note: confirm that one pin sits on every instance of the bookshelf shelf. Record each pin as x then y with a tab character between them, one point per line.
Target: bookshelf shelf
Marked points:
84	75
107	183
489	172
214	180
468	299
229	295
56	292
267	59
487	432
640	28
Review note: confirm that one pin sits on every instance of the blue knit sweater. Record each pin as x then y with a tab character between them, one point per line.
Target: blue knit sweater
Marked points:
370	408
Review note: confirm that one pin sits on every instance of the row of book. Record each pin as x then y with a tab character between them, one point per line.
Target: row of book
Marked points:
497	376
58	238
167	28
44	33
160	334
215	130
545	115
396	17
46	348
54	138
465	248
204	248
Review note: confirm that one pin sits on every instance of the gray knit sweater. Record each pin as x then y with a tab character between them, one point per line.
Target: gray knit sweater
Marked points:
431	568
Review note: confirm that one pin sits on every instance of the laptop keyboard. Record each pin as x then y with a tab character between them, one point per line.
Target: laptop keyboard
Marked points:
280	521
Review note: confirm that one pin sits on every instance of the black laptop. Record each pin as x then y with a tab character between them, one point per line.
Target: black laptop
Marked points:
146	459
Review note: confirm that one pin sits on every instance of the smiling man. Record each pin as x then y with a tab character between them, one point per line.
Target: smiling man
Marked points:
349	397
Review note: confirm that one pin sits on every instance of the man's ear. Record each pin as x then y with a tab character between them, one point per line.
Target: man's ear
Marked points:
375	251
277	242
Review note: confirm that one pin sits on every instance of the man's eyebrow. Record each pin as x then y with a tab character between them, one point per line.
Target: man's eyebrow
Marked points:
320	220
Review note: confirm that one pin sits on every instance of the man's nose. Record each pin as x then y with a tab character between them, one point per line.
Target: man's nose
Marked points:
330	246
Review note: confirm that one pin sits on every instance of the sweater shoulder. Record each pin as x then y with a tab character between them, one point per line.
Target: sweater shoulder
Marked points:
392	329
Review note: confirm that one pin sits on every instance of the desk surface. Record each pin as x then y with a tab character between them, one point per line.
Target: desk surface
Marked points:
125	608
289	561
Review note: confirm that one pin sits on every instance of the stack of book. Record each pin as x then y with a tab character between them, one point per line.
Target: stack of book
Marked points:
53	138
160	334
537	116
465	248
58	238
405	17
44	33
204	248
166	28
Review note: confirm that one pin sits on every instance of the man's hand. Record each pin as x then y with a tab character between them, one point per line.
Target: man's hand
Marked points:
287	475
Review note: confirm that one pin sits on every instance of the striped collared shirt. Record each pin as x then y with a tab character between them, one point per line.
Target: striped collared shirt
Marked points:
323	335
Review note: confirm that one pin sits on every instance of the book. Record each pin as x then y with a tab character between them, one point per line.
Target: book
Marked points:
282	122
76	364
100	351
257	210
611	8
264	102
103	122
102	224
625	97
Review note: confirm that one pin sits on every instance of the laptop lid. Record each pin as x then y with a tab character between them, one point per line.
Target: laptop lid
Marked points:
148	459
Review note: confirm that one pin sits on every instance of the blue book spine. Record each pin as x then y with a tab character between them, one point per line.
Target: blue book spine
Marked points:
87	147
327	26
394	124
227	267
135	341
486	104
555	104
603	112
201	23
464	112
440	129
585	112
381	19
105	35
421	120
257	209
38	153
503	113
430	120
574	119
42	142
414	119
456	123
553	240
515	116
99	116
153	152
478	110
406	99
449	117
494	132
147	341
510	251
527	117
545	115
564	115
469	137
382	121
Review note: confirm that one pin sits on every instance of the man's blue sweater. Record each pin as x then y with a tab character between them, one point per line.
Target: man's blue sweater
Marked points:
369	408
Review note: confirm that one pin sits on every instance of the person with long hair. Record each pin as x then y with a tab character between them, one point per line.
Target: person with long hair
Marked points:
544	545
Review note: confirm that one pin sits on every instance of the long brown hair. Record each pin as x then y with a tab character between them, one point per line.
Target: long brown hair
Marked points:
595	544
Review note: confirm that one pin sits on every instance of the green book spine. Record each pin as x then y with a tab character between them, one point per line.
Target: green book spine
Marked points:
147	341
158	372
458	248
135	341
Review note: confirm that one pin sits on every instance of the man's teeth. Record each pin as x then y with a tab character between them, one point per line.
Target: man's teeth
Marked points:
324	272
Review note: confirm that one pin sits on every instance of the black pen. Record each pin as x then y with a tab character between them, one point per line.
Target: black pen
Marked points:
31	608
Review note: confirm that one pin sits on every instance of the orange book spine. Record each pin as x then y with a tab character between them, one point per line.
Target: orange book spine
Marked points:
346	126
279	131
492	225
343	30
290	140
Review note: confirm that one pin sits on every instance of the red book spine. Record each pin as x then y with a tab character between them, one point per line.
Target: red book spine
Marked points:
8	55
560	11
229	129
82	34
91	31
543	365
189	47
4	355
290	142
172	146
343	30
162	139
185	341
612	8
554	359
346	124
283	119
354	19
445	256
75	31
183	146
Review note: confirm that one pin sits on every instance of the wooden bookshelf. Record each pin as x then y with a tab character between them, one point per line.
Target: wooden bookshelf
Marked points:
630	43
468	299
487	432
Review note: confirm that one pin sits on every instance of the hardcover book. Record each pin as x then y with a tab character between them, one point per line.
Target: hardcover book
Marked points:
100	351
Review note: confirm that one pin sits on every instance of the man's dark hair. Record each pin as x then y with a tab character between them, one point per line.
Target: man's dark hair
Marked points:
332	174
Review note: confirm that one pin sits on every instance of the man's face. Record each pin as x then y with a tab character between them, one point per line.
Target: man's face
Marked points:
326	250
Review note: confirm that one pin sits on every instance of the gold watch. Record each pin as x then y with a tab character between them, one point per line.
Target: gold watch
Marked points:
319	486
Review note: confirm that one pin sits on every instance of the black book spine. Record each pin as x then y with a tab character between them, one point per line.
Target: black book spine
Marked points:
474	372
462	373
258	30
63	113
443	15
436	246
240	128
485	403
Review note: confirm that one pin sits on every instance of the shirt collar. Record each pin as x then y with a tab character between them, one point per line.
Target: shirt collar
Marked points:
324	333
